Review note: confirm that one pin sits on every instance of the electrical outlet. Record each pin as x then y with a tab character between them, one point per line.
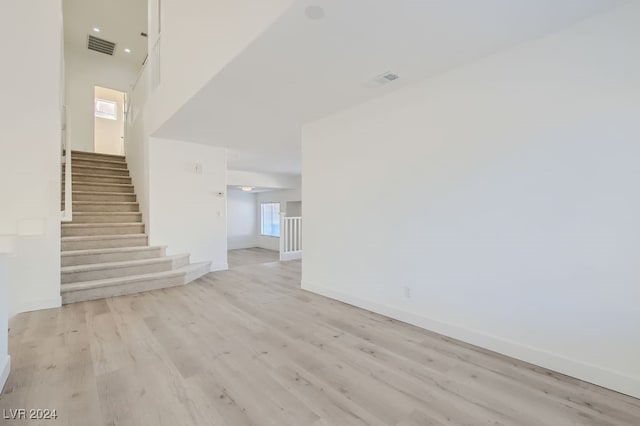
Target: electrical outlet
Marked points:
407	292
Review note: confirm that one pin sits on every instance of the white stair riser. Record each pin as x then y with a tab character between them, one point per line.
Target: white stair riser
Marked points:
123	180
107	187
103	208
121	256
70	231
119	290
101	243
167	264
103	197
107	218
98	163
92	170
95	156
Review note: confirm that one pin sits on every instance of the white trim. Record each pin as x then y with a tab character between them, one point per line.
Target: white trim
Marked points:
291	255
5	369
570	367
37	305
219	267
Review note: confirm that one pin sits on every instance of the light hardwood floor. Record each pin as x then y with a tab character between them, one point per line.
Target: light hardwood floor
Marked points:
247	346
251	256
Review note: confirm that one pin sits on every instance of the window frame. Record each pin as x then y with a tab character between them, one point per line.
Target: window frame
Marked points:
262	228
99	114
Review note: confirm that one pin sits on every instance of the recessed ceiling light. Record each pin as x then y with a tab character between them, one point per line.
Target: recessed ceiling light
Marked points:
127	50
247	188
96	29
314	12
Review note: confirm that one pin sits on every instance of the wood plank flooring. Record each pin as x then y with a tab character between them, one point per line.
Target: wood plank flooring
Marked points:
248	347
251	256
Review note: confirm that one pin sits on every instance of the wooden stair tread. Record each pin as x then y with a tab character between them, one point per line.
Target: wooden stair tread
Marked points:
110	250
86	285
99	224
103	237
73	151
123	264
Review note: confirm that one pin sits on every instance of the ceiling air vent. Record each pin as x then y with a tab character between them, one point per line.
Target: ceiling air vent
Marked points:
382	79
100	45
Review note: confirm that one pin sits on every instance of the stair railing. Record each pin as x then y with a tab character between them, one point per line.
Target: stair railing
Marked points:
290	237
66	214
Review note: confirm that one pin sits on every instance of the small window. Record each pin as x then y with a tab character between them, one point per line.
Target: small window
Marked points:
106	109
270	219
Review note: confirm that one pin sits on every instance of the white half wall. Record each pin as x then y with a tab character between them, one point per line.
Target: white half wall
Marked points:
282	197
30	152
186	212
84	69
242	227
517	180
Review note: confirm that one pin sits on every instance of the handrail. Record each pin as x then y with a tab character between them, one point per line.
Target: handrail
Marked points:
66	214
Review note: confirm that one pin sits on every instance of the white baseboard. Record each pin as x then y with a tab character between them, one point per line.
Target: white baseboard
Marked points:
5	369
37	305
218	267
291	255
570	367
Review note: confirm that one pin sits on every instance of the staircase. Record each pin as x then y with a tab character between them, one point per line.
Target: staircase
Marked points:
105	250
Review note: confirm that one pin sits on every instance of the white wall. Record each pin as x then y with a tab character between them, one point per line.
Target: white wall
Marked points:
5	359
30	151
242	225
262	180
186	212
201	36
517	177
282	197
109	134
84	70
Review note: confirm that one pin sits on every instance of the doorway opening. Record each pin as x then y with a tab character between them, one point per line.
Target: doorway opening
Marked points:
109	121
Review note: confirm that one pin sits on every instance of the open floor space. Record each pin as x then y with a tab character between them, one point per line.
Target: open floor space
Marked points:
247	346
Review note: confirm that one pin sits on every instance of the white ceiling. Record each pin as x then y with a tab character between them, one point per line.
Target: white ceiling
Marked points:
119	21
303	69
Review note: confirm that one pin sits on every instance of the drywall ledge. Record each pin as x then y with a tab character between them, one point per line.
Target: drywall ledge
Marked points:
581	371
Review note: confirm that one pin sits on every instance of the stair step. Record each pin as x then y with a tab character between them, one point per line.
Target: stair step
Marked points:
102	207
97	178
102	271
91	162
97	170
196	270
101	196
106	255
86	154
100	289
101	187
107	217
103	241
89	229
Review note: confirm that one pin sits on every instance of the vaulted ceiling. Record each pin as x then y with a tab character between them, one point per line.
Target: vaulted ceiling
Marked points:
303	68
